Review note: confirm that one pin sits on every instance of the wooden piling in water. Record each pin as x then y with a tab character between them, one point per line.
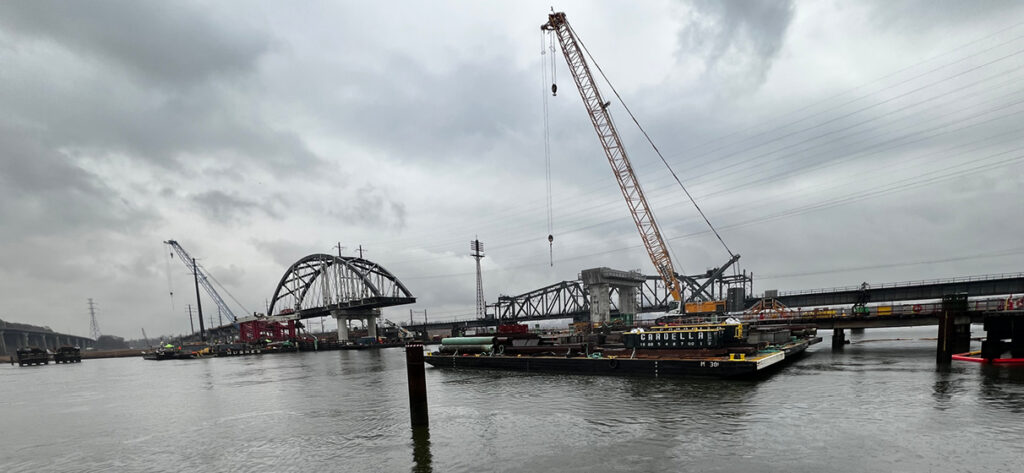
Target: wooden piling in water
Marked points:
952	337
417	384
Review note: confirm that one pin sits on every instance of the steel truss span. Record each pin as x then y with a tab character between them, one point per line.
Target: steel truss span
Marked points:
569	299
319	283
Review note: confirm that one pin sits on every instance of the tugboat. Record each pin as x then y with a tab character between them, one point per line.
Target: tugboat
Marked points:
33	356
67	354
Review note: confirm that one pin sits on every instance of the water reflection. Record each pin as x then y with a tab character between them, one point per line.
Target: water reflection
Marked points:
421	456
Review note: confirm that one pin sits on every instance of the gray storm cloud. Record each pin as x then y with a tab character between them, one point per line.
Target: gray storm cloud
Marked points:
737	40
256	133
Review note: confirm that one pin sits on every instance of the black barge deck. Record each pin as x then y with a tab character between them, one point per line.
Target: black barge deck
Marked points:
712	366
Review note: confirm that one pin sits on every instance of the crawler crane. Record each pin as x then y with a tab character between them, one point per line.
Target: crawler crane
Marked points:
643	217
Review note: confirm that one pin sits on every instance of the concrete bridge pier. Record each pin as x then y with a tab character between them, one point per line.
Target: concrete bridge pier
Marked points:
343	321
3	343
371	323
954	328
345	317
838	338
600	303
627	302
599	281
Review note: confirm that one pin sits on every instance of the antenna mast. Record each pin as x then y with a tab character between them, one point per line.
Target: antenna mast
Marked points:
477	249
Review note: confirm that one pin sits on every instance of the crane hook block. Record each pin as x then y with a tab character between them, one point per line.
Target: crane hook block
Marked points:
551	238
554	90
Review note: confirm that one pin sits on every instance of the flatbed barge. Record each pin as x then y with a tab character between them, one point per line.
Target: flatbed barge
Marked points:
637	361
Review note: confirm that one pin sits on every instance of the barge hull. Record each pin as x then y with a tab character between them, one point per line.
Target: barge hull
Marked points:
648	367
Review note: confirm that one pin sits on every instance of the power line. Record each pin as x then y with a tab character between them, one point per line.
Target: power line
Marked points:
931	71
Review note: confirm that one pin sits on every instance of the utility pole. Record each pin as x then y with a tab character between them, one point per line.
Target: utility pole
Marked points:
477	249
191	321
199	302
339	247
94	328
361	251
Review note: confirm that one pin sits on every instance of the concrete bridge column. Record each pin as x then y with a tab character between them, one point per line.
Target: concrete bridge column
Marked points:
3	343
371	325
627	301
838	338
24	339
600	304
598	281
342	325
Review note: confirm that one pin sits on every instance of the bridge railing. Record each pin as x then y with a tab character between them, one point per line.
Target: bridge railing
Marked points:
923	282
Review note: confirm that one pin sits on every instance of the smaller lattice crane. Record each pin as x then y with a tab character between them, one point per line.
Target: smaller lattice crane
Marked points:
202	277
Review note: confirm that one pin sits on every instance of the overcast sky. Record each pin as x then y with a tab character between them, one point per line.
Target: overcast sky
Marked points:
830	142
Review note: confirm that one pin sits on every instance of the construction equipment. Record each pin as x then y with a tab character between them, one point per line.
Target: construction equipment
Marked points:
146	339
187	260
573	51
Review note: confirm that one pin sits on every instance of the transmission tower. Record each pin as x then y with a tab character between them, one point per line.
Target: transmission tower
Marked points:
477	249
94	328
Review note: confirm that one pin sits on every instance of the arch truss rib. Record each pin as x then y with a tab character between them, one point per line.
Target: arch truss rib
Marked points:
319	283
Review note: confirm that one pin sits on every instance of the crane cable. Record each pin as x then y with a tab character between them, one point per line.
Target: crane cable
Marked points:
649	140
170	287
547	135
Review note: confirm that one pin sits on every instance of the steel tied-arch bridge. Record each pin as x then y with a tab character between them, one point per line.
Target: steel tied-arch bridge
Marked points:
320	283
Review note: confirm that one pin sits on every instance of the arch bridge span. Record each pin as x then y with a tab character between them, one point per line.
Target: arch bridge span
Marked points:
320	283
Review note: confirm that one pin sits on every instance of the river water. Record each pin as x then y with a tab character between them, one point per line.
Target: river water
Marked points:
875	406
